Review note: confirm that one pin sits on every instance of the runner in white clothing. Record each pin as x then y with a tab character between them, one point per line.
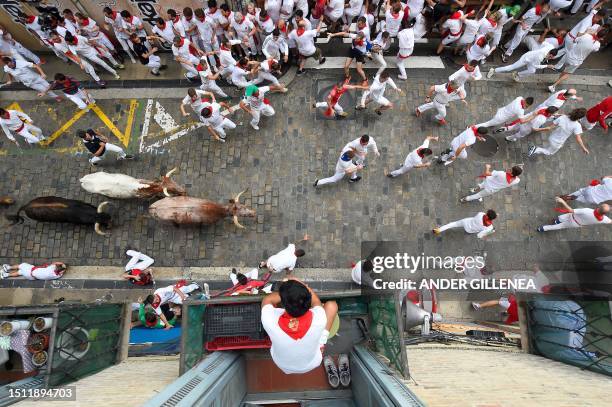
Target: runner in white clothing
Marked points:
275	46
345	166
480	49
533	16
559	98
28	271
112	19
245	31
29	74
172	294
14	121
481	224
493	181
577	218
416	159
565	127
188	55
405	40
438	97
286	259
459	145
17	49
86	48
209	79
533	123
305	40
197	99
393	17
513	110
468	72
361	146
598	191
89	28
214	121
376	93
69	51
452	29
255	103
531	61
381	43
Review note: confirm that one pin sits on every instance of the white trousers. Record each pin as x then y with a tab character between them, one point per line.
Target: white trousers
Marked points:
400	62
253	275
127	46
401	170
516	40
529	69
440	108
212	86
191	71
566	221
87	67
40	85
380	60
500	118
337	108
154	63
225	124
80	99
267	76
138	261
519	130
176	299
461	223
550	149
95	58
578	4
266	110
26	53
480	194
27	133
335	178
112	148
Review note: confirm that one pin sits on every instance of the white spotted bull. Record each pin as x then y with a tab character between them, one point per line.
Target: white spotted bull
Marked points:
184	210
120	186
62	210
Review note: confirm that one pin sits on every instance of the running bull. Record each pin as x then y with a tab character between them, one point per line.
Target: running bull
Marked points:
184	210
120	186
61	210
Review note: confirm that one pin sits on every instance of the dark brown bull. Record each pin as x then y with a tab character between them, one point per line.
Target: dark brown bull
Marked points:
62	210
183	210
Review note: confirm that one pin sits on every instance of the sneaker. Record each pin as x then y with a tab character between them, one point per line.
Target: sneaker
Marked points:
500	130
322	61
476	306
129	157
101	84
402	78
540	229
417	112
436	231
463	200
332	372
316	183
221	140
359	107
515	77
510	139
531	151
344	370
504	58
117	77
300	71
356	179
378	112
120	66
155	73
552	89
256	127
490	73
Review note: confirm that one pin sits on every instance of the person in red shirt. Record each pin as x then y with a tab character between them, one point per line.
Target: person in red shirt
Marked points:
598	114
332	103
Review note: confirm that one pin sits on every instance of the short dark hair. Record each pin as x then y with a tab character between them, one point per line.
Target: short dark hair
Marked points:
577	114
158	20
529	101
80	133
275	32
516	171
552	109
6	60
426	151
125	14
365	138
299	253
299	13
367	266
224	7
107	10
69	37
2	111
212	3
295	298
59	77
206	112
474	63
188	12
384	74
491	214
482	130
151	317
171	12
149	300
242	279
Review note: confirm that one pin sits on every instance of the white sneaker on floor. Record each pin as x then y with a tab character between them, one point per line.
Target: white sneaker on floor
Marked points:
551	89
476	305
490	73
117	77
256	127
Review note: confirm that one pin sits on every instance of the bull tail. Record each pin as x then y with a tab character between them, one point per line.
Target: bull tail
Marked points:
15	219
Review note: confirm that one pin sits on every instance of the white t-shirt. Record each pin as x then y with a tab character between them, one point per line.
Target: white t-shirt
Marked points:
405	39
242	29
393	22
514	109
131	25
498	180
377	89
359	148
167	33
476	225
215	118
467	137
285	259
565	128
602	192
582	48
182	51
165	295
413	159
586	216
442	96
31	272
198	103
462	75
23	71
305	42
289	354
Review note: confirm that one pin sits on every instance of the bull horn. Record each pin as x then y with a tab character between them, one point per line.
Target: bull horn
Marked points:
98	230
237	223
172	171
166	192
102	206
237	198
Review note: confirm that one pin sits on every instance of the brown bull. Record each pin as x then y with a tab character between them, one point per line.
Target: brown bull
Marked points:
184	210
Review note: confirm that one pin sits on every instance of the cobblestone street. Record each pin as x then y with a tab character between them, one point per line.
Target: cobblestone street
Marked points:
278	165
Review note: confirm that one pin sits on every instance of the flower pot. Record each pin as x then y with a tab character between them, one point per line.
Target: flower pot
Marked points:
39	358
38	342
8	327
42	323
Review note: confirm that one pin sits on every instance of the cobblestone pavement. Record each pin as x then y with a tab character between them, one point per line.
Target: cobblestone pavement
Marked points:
278	165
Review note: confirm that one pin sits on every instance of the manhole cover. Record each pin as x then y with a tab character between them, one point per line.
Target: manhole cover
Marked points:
486	148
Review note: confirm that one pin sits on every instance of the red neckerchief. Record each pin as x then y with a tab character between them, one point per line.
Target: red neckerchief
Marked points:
182	42
538	10
595	37
560	39
598	216
449	89
456	15
270	62
358	42
253	13
509	177
204	100
523	103
594	182
481	42
224	48
31	19
164	25
180	283
544	113
85	21
156	301
242	21
131	19
475	130
492	22
296	328
176	19
420	152
468	67
114	14
300	31
561	96
199	68
486	221
266	18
